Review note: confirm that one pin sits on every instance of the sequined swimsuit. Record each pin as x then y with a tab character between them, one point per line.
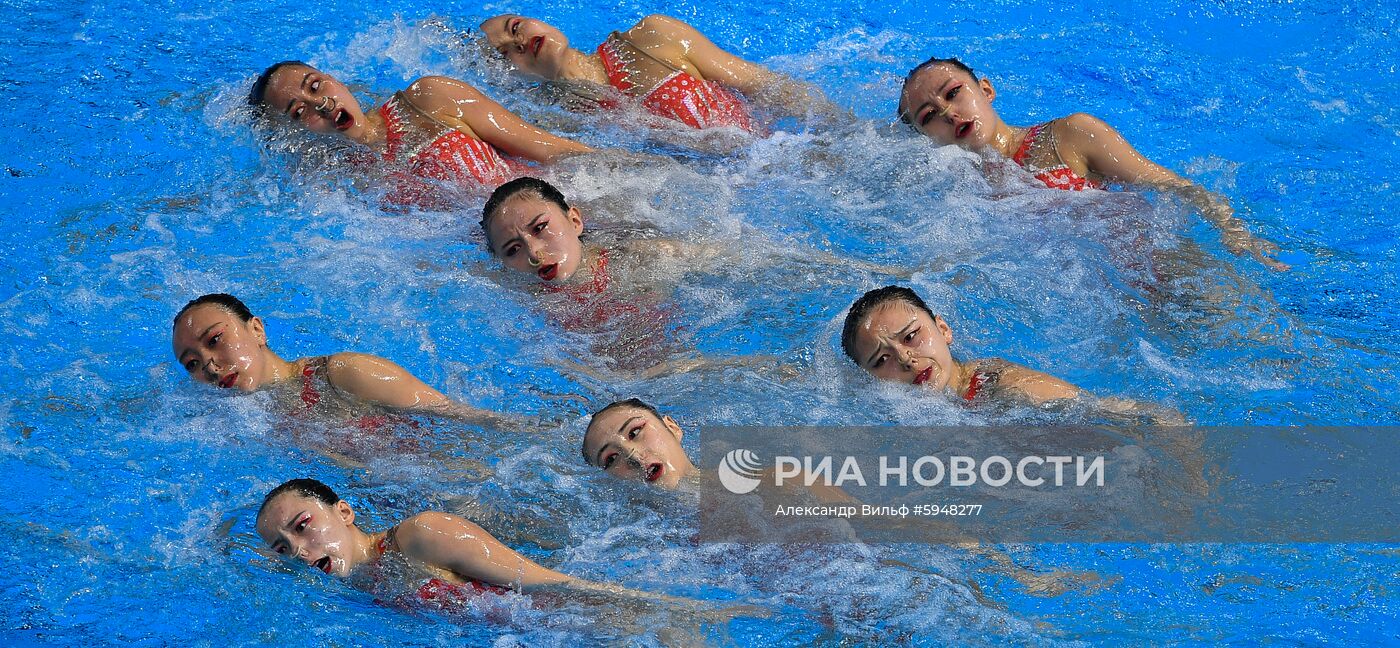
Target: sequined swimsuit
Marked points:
438	591
680	96
1058	175
447	155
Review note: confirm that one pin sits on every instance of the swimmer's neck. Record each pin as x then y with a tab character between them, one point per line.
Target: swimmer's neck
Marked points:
962	377
372	133
276	370
588	265
365	546
579	66
1006	140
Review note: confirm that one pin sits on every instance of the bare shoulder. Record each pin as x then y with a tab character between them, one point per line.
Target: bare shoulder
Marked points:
658	29
1037	386
1081	127
430	92
356	371
347	362
426	527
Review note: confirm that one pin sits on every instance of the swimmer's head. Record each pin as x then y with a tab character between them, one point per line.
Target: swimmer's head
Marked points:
944	100
893	335
308	97
303	519
532	229
219	342
533	47
630	439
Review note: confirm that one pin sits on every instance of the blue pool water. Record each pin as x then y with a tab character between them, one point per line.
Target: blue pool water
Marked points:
133	183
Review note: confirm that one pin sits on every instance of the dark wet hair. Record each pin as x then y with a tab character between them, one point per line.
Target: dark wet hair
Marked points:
228	302
259	89
306	488
634	402
903	116
867	302
534	186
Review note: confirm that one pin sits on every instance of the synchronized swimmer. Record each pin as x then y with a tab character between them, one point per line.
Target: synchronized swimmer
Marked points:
664	65
437	129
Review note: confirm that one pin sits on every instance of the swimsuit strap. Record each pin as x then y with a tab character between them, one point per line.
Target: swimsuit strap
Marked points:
309	393
393	127
397	126
387	542
633	47
1031	134
1033	137
974	383
618	69
601	279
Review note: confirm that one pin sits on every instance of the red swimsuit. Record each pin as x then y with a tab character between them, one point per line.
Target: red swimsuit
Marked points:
311	395
1059	176
447	595
450	156
590	306
680	96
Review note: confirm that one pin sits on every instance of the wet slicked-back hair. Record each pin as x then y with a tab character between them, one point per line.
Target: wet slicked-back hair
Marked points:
867	303
304	487
522	185
258	92
904	116
634	403
226	301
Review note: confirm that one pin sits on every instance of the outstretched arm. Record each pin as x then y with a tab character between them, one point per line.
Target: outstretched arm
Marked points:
460	546
465	549
379	381
461	106
757	82
1037	387
1099	148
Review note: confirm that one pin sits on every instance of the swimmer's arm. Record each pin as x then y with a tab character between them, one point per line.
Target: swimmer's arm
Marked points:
381	382
1099	149
1037	387
754	80
460	546
1133	409
686	252
462	106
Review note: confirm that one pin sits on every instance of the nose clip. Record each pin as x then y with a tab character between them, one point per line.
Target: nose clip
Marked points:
324	105
534	263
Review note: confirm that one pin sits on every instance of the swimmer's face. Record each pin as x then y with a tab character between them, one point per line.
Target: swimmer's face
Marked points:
307	529
218	348
901	343
314	100
633	443
945	104
533	47
531	234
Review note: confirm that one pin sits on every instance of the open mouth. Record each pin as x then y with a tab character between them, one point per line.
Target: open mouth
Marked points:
962	130
653	472
536	44
923	376
549	272
342	119
324	564
228	381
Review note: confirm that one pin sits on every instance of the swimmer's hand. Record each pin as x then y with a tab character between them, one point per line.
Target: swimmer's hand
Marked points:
1240	242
